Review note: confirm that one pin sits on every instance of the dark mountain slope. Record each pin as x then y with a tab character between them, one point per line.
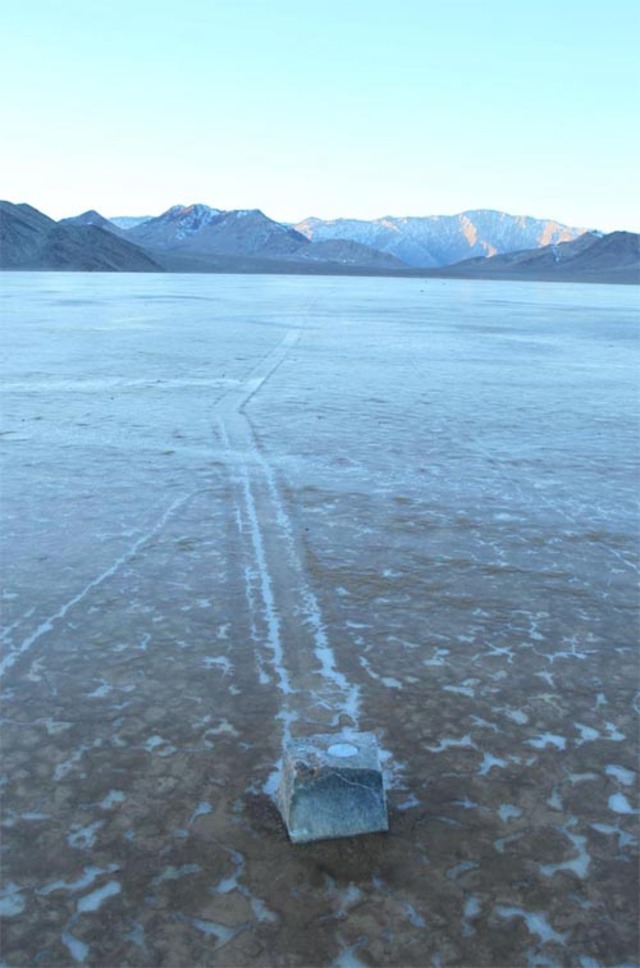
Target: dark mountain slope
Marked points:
22	232
31	240
87	248
93	218
613	258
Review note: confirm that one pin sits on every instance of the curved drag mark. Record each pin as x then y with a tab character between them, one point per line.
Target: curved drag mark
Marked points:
49	622
285	612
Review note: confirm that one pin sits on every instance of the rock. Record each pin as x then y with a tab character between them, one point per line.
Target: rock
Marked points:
332	786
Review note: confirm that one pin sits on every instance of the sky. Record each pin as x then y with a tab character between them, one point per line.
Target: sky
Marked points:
331	108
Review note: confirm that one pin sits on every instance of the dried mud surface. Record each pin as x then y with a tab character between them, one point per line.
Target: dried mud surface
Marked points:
242	509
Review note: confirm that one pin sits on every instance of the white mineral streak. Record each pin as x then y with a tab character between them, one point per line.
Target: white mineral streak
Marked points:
48	624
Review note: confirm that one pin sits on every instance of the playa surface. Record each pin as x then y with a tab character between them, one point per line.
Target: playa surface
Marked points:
240	509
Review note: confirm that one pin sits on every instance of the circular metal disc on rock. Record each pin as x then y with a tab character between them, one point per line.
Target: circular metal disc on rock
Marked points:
342	750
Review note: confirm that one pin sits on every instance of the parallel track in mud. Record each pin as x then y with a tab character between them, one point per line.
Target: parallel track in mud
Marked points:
286	622
289	635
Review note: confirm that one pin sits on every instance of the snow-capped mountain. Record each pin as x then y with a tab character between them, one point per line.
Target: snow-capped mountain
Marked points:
178	225
127	222
440	240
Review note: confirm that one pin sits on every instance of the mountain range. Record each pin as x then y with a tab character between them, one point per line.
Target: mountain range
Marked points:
198	238
196	232
428	242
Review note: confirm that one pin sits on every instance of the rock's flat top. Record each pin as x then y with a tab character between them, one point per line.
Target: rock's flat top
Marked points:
357	751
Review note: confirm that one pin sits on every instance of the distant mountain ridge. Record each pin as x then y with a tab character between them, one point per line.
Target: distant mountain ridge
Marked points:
129	221
198	238
438	240
427	241
420	242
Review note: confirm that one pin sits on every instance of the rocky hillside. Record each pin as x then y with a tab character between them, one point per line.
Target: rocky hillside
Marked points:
198	228
31	240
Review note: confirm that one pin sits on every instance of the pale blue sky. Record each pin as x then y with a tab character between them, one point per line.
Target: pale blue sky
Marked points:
354	108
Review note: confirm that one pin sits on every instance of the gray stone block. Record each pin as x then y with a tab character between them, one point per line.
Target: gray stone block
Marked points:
332	786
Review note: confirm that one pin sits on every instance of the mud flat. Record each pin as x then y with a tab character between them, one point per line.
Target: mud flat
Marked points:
239	510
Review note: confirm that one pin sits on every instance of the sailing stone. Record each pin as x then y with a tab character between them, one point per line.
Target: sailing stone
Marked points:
332	786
